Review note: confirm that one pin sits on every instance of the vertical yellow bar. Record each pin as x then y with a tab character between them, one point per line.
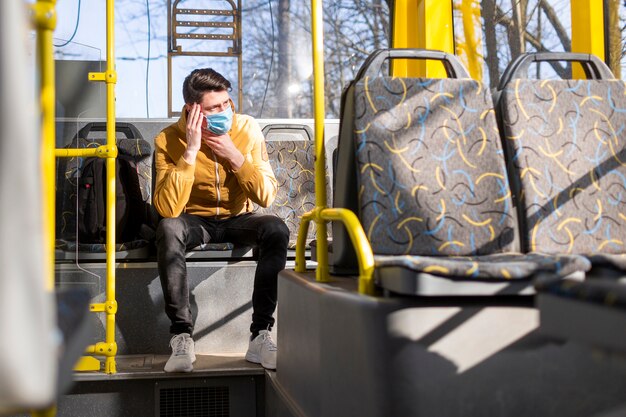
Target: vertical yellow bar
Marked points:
110	79
405	35
587	30
471	52
45	21
422	24
321	273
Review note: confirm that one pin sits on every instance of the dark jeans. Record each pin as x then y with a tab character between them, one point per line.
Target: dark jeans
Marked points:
178	234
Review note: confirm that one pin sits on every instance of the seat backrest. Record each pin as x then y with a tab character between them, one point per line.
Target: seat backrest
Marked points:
132	184
293	164
565	139
430	173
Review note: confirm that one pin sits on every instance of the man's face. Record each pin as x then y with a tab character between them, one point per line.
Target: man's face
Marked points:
212	102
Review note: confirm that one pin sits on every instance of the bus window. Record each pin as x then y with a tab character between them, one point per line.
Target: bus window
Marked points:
491	33
276	51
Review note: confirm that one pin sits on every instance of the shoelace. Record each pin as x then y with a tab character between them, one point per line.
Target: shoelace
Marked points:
180	345
269	343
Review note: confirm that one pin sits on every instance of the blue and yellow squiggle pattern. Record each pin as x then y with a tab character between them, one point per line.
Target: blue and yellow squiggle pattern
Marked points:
293	166
567	143
430	168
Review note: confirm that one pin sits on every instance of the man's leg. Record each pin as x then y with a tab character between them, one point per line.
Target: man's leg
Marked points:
271	236
173	237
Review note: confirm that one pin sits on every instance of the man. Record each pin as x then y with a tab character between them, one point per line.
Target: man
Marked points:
211	166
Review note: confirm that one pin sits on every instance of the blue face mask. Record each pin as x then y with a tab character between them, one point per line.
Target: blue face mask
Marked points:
220	123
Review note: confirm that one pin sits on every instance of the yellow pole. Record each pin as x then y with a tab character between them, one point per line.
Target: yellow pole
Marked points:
44	16
470	10
422	24
108	348
321	214
111	304
587	30
405	35
321	273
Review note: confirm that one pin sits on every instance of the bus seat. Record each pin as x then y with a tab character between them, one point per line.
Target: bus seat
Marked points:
567	158
287	132
431	188
567	162
91	135
293	165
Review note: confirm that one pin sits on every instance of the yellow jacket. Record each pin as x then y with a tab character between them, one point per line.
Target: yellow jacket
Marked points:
210	187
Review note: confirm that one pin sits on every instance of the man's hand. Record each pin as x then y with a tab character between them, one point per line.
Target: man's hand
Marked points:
224	147
194	132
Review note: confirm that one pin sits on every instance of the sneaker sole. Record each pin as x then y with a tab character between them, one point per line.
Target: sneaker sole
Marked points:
185	370
251	357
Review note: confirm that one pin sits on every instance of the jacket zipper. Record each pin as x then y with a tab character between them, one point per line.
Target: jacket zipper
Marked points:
217	184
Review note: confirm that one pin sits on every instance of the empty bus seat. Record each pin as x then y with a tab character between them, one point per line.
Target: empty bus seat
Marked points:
431	189
131	146
564	141
291	151
567	160
293	165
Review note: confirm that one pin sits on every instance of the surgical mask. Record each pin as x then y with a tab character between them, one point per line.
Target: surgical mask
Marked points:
220	123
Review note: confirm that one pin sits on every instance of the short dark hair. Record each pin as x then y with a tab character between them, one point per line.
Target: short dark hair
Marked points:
201	81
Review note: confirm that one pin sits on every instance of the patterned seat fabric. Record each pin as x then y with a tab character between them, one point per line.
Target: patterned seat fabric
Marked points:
489	267
567	150
431	174
293	165
433	184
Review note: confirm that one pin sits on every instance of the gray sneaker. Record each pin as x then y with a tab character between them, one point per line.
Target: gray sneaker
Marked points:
262	349
183	355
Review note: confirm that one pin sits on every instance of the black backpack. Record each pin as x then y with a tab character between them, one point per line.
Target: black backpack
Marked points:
82	189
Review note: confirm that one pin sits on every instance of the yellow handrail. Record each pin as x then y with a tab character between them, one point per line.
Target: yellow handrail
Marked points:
365	256
104	151
321	274
321	214
44	17
109	347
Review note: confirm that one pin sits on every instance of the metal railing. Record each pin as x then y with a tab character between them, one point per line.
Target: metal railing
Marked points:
44	19
321	214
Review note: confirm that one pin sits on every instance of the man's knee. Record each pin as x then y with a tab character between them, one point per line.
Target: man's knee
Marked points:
170	228
275	231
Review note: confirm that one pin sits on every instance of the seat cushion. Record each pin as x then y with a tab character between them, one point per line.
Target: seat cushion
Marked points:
70	246
506	266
